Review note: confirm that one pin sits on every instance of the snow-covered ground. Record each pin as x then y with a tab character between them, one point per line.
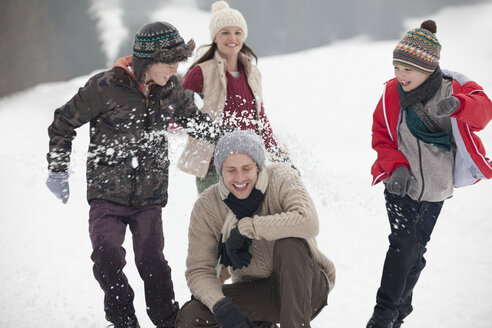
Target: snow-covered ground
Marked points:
320	103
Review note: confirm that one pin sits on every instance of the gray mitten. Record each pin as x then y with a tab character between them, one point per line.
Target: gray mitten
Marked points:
447	106
399	182
57	183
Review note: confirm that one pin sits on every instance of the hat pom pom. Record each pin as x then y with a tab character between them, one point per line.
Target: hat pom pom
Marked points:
219	5
429	25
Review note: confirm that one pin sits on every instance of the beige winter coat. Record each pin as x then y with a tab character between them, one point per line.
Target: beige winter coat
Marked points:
197	154
287	211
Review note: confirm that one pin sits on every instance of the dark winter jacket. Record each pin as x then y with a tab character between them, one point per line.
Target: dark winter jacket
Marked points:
127	161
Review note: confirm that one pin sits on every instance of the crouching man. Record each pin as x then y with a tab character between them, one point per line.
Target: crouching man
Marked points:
257	226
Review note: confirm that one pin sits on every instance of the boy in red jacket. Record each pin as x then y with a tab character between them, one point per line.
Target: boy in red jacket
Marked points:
424	134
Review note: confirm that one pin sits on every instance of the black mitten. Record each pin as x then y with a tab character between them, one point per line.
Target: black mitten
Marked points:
237	247
222	253
228	315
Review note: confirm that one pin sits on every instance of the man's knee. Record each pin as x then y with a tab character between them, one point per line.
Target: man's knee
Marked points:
194	314
289	247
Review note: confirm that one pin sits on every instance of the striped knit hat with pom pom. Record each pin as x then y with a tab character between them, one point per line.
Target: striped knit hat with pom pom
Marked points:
419	49
222	16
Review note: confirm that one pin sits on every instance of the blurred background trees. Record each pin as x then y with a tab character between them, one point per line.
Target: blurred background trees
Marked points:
51	40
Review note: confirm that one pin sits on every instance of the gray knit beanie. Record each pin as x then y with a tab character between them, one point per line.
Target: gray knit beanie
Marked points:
246	142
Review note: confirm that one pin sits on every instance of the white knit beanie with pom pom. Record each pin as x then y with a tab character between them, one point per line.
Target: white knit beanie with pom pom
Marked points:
222	16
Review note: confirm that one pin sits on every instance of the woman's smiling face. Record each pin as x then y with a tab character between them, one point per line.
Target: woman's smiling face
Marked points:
229	40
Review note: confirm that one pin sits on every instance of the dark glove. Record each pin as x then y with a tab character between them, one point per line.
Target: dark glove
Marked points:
447	106
399	182
196	124
228	315
237	247
57	183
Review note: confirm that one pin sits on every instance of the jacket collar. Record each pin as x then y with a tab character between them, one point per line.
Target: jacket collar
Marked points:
243	59
125	76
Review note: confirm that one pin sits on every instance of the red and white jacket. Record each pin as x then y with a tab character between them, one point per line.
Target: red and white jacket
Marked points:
473	114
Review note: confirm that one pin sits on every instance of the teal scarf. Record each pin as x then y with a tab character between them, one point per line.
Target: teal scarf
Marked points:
421	131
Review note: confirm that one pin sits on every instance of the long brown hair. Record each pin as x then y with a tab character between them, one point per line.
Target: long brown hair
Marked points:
209	54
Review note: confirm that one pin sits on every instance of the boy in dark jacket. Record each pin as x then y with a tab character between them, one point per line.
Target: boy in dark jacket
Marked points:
424	135
129	107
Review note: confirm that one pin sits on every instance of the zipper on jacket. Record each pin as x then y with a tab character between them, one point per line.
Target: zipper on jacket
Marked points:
421	170
134	187
147	113
136	199
133	195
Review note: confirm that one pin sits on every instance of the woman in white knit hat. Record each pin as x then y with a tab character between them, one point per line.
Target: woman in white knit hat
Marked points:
230	85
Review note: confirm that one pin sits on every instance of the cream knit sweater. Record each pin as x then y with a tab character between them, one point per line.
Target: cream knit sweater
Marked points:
287	211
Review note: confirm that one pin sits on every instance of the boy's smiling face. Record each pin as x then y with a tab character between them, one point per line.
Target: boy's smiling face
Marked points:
409	79
160	73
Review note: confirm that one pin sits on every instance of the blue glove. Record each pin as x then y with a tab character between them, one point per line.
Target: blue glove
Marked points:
228	315
399	181
57	183
447	106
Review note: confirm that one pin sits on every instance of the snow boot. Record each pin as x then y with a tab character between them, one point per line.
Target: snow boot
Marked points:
383	319
403	312
128	322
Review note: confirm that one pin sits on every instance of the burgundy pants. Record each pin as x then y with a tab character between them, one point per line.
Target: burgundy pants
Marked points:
293	295
107	227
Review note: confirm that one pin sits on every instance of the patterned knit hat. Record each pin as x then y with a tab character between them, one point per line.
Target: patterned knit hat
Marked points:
419	49
239	141
222	16
159	42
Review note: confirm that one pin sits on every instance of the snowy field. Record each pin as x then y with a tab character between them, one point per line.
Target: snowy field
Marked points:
320	103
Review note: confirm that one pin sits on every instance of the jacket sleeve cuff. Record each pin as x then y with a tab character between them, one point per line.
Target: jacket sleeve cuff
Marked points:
246	228
211	300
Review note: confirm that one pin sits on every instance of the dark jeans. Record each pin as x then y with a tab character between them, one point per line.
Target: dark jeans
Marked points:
411	225
107	227
293	295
